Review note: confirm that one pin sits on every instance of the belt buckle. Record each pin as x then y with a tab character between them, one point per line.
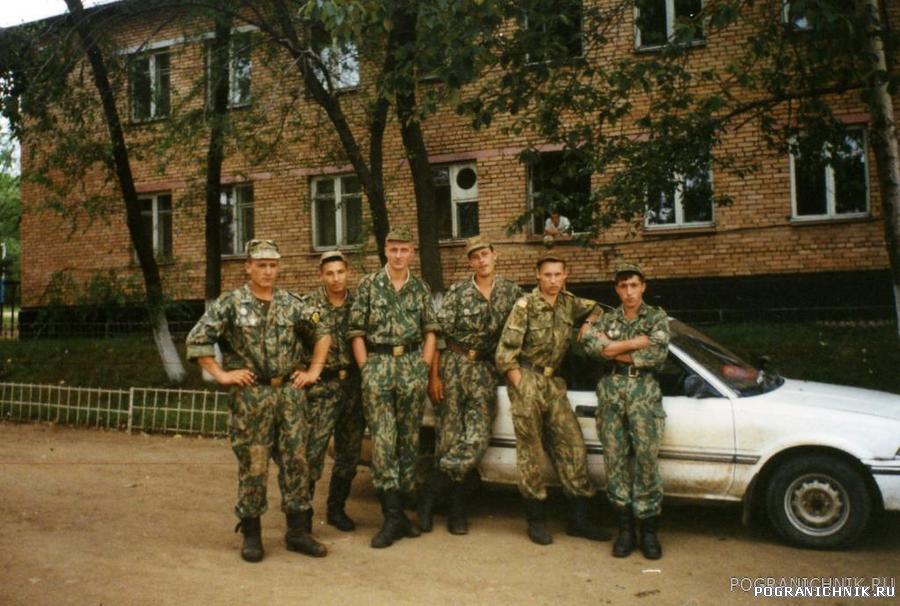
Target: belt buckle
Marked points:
472	355
276	382
342	374
548	371
633	372
398	350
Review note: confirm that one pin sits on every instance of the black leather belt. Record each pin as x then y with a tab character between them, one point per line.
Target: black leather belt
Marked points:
273	381
547	371
394	350
631	371
341	374
471	354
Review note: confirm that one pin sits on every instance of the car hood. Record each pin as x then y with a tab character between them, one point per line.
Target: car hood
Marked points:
839	397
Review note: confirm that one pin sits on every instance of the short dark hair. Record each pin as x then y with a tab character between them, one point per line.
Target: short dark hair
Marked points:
541	262
626	275
327	260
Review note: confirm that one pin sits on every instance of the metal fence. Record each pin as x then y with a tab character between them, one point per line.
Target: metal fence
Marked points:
9	309
182	411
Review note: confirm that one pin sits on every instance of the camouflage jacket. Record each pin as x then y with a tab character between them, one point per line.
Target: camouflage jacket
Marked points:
468	318
271	345
385	316
541	333
613	326
336	320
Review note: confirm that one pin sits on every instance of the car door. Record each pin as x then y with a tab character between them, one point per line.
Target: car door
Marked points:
697	454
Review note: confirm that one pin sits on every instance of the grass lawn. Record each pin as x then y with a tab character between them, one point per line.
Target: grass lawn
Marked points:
862	356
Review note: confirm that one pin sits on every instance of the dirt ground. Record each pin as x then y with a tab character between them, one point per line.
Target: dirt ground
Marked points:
102	517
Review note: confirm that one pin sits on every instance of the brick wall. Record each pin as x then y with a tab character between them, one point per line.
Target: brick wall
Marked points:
753	236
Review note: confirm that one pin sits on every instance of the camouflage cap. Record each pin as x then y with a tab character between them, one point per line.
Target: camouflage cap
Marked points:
628	267
549	255
331	255
399	233
477	243
262	249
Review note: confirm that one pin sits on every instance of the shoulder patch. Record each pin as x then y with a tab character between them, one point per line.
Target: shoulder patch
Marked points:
522	302
316	317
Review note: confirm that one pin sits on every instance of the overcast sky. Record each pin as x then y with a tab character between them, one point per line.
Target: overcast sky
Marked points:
16	12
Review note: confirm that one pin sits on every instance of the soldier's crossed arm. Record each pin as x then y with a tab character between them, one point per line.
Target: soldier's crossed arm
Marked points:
654	354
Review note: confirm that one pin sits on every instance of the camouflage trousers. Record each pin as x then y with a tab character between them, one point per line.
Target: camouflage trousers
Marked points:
335	407
630	421
393	395
466	416
541	410
264	420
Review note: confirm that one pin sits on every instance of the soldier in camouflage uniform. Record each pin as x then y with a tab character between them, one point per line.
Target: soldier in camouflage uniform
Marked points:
260	330
463	381
392	331
335	403
532	346
630	415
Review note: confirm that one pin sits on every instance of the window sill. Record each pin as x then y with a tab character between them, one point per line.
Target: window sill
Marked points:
800	222
147	121
656	48
234	257
318	250
678	230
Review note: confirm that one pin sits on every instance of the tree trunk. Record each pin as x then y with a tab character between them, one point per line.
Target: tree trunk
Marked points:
218	123
417	152
883	134
370	178
152	283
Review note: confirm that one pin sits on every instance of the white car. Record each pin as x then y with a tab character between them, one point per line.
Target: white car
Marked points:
820	459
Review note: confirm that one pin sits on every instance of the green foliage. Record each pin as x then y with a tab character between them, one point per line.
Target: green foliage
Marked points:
10	210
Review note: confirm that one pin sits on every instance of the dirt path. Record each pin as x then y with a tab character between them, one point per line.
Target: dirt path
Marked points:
98	517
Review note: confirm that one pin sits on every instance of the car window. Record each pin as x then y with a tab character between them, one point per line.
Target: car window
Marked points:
677	379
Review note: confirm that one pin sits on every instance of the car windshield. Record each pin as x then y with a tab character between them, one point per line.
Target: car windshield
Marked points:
742	377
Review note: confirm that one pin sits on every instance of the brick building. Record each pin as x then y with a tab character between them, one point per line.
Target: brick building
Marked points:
792	240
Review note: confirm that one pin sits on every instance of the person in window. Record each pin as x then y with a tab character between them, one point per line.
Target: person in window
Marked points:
630	414
261	330
557	225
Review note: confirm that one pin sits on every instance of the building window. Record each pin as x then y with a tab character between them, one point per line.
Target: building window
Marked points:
656	21
149	84
337	212
687	204
794	16
560	182
456	193
834	185
339	62
236	208
239	68
156	216
558	31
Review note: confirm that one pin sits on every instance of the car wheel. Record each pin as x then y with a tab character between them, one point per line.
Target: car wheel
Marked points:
818	501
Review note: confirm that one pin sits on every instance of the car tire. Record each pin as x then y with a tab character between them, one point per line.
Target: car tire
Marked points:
818	501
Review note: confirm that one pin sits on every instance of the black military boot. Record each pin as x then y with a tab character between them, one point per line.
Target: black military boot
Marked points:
392	529
650	546
251	550
456	515
432	488
297	538
338	491
537	522
580	524
410	529
624	544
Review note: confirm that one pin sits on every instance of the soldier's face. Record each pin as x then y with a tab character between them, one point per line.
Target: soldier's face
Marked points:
334	276
631	292
262	272
398	254
483	262
551	277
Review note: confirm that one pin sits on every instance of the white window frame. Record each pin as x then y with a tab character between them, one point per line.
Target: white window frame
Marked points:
458	197
830	201
152	57
239	192
155	235
680	223
670	28
233	88
339	196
